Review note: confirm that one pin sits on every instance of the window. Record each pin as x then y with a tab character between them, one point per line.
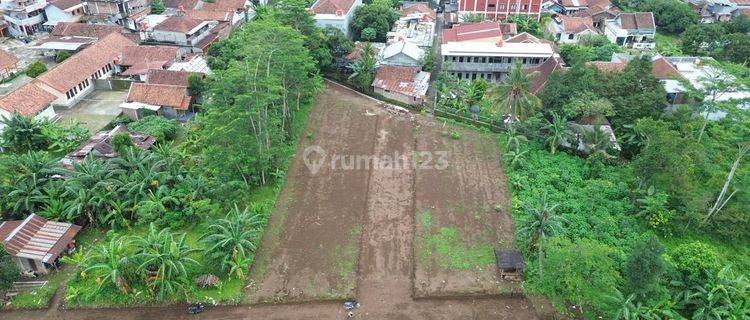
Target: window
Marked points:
476	59
512	7
524	61
491	6
525	7
67	94
571	36
473	76
501	7
484	59
460	59
460	76
453	58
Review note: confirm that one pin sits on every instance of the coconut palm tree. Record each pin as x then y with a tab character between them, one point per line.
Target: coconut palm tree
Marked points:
234	238
557	132
513	95
541	221
110	262
595	141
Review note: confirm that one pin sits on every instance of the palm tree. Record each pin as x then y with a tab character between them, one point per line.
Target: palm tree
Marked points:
165	259
595	141
513	95
516	157
362	68
541	222
233	238
111	261
514	138
27	195
22	133
557	132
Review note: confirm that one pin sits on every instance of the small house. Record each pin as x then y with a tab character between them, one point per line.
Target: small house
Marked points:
406	84
632	30
37	243
100	146
568	29
510	264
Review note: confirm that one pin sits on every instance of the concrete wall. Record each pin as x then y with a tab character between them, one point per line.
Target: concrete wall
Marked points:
399	97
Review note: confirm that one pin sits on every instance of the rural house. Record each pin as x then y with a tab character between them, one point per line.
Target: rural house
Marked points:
165	93
182	31
569	29
122	12
64	11
29	101
37	243
100	146
632	30
137	61
401	53
76	36
406	84
71	80
24	18
335	13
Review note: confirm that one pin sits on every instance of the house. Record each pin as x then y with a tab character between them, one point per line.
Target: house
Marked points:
712	11
193	63
136	61
235	12
418	10
37	243
417	28
569	29
487	31
406	84
122	12
662	69
182	31
29	101
335	13
571	6
64	11
73	79
544	71
599	11
8	65
510	263
167	95
401	53
24	18
499	9
492	60
632	30
100	146
74	36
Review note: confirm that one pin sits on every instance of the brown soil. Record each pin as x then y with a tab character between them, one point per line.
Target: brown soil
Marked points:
461	198
316	214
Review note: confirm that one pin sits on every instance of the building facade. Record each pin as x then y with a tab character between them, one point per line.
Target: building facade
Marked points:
499	9
632	30
335	13
24	18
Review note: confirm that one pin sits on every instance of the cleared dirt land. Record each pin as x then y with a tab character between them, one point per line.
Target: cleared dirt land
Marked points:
461	214
311	246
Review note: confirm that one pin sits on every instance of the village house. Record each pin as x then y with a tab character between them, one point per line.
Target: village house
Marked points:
402	83
74	36
28	101
37	243
486	31
122	12
712	11
599	11
632	30
100	146
136	61
182	31
64	11
569	29
499	9
165	93
71	80
8	65
401	53
335	13
194	63
235	12
24	18
414	26
490	59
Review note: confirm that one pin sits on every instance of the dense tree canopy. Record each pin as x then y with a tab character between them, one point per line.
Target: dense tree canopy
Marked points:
672	16
378	17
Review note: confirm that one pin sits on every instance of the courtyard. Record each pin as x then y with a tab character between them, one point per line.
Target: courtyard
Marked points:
95	111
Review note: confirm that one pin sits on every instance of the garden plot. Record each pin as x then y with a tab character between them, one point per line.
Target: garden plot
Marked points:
311	246
461	214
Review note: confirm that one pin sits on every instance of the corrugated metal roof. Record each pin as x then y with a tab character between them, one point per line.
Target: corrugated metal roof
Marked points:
39	239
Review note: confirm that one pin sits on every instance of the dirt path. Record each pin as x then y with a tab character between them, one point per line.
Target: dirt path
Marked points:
384	271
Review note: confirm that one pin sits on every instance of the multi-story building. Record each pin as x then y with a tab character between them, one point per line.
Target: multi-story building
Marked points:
122	12
335	13
491	58
24	17
499	9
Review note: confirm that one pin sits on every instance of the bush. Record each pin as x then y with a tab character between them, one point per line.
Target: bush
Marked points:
9	271
121	141
61	56
695	262
35	69
162	128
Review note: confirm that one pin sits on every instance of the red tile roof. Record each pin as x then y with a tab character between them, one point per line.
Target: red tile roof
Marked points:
39	239
524	37
175	78
606	66
543	72
82	65
576	24
210	15
70	29
159	95
638	20
223	5
664	70
132	55
332	6
578	3
27	100
65	4
7	60
419	8
180	24
396	78
472	31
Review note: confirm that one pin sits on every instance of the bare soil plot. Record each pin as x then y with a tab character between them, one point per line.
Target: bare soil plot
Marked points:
457	218
310	248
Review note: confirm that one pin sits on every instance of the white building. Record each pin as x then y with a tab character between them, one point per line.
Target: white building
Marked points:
24	18
335	13
181	30
401	53
569	29
492	60
632	30
28	101
64	11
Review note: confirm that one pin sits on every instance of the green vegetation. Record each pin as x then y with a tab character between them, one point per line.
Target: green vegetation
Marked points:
728	41
448	250
671	16
161	128
61	56
157	6
9	271
23	134
371	22
35	69
588	48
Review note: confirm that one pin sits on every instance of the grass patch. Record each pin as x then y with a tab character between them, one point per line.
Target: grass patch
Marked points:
345	256
446	248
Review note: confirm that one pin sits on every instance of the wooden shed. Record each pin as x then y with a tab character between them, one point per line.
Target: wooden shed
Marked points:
510	264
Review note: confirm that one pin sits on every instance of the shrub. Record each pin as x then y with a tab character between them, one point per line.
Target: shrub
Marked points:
695	261
9	271
61	56
162	128
121	141
35	69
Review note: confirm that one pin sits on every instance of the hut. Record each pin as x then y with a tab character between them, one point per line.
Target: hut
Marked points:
510	264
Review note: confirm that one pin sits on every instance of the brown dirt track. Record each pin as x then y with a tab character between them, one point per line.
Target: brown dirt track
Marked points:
314	218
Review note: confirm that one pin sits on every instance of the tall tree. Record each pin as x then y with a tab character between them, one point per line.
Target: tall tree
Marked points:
513	95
